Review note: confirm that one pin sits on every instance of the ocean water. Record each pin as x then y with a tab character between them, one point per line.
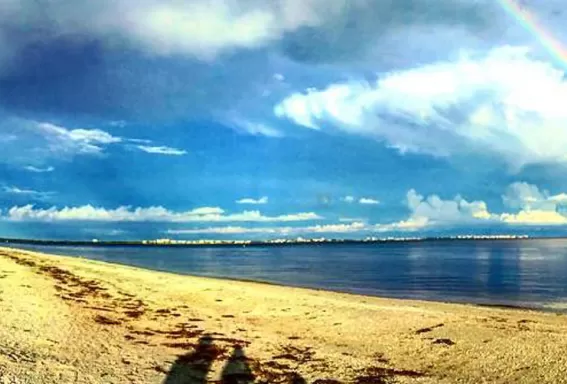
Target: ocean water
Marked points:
530	272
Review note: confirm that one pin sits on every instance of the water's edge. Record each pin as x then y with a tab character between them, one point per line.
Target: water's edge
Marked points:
476	303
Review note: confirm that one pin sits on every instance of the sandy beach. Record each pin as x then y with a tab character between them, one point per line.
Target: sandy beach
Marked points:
72	320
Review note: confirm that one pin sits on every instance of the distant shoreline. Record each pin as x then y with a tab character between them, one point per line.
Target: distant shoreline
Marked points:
264	243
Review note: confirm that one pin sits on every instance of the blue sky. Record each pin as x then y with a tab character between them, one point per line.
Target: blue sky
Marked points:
255	119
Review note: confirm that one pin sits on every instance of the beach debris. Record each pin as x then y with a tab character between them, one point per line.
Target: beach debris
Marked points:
180	345
444	341
428	329
380	375
381	358
106	320
135	314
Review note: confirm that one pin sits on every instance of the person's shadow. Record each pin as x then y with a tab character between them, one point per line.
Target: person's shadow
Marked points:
193	368
237	370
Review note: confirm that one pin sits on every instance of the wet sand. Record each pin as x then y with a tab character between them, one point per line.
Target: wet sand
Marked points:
72	320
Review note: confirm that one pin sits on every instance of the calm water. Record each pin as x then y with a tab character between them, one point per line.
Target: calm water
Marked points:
521	272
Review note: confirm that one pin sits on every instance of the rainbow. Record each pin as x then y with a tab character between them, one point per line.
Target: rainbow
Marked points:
531	24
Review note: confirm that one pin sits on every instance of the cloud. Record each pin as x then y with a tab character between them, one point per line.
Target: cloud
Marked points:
351	219
531	206
255	128
39	141
368	26
262	200
363	200
504	102
118	123
20	191
412	224
26	192
162	150
197	28
528	196
150	214
80	141
435	210
32	168
368	201
536	207
534	217
233	230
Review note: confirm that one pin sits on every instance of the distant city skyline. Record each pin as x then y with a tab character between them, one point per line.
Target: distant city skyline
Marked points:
281	119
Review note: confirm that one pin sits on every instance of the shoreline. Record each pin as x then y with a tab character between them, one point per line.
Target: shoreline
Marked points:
536	306
271	243
144	326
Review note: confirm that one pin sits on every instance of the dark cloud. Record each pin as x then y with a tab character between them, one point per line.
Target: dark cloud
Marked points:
113	60
355	31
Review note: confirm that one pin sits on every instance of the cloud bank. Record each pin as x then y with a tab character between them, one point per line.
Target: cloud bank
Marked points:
150	214
531	207
284	231
504	102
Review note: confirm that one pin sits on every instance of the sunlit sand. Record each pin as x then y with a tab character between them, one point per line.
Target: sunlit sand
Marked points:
72	320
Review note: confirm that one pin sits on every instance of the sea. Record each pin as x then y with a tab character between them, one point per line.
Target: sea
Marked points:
523	273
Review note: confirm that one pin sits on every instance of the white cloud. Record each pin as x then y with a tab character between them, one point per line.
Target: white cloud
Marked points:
279	77
527	196
162	150
32	168
412	224
40	141
368	201
560	198
434	210
230	230
80	141
255	128
150	214
534	217
351	219
262	200
21	191
503	102
30	193
532	207
536	207
118	123
348	199
328	228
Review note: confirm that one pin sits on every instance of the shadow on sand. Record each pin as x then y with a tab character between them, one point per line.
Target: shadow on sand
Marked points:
194	367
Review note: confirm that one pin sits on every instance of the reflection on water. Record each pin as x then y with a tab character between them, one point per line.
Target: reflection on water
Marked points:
523	272
504	273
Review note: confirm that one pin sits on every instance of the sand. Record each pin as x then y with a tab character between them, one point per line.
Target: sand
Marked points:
72	320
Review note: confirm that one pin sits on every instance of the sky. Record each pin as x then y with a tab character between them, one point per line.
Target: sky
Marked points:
268	119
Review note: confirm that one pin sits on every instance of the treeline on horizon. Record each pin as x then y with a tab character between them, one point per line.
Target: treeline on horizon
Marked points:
229	243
